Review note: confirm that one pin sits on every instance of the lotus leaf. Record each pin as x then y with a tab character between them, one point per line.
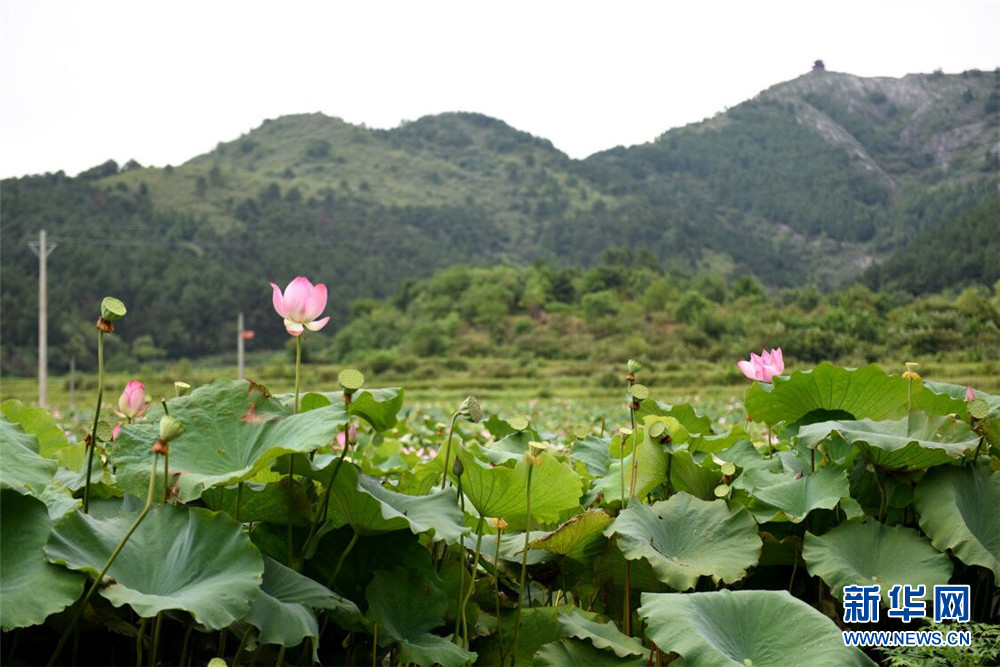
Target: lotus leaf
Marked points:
178	558
684	538
755	627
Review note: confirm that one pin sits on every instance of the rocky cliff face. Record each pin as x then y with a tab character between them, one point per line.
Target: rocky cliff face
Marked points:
946	119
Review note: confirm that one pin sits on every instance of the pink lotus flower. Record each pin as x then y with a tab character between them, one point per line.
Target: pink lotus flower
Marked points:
132	402
970	394
300	305
763	367
352	437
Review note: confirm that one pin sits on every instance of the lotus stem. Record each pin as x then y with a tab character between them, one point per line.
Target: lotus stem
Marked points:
621	467
374	642
524	568
320	519
340	561
107	565
883	507
635	457
166	474
281	656
187	640
298	365
291	460
156	640
97	416
138	642
496	583
447	449
239	502
627	600
239	649
472	586
288	523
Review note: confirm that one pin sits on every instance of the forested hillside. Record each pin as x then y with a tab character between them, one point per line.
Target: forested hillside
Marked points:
810	182
964	250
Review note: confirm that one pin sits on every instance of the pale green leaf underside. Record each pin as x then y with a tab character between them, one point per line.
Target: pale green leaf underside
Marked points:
759	628
960	510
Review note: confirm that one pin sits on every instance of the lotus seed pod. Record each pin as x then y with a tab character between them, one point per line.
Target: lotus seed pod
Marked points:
979	408
182	389
722	491
112	309
640	392
171	428
104	431
634	366
728	468
471	410
519	422
350	380
657	429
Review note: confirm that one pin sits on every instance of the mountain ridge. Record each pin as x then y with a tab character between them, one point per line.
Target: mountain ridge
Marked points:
810	181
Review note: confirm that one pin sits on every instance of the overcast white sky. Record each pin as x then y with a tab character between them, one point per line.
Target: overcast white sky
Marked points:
162	82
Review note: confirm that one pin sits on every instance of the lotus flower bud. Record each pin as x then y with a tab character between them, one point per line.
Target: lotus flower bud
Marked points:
300	305
471	410
458	467
132	402
970	394
352	437
171	428
763	367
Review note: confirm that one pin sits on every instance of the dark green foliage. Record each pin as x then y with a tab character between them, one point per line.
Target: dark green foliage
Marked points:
765	190
964	250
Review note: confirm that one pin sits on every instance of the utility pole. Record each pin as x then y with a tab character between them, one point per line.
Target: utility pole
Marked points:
239	347
241	336
42	250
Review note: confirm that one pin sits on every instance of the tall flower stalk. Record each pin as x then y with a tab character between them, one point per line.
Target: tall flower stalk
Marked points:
910	375
473	412
534	459
350	381
170	428
299	305
111	310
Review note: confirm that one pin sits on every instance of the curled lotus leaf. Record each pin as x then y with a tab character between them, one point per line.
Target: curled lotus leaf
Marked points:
31	587
958	511
191	559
